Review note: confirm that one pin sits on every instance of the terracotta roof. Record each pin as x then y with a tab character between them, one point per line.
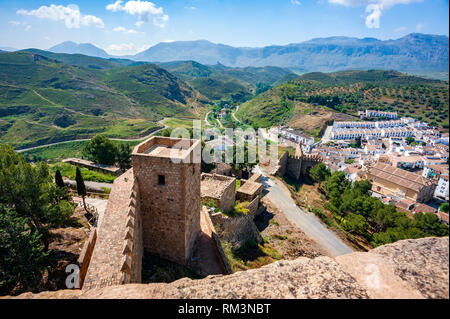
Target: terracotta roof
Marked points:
439	168
398	176
443	216
423	208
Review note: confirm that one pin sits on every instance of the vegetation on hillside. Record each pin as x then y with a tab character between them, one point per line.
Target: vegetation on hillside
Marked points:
235	85
43	100
69	171
360	214
349	92
31	205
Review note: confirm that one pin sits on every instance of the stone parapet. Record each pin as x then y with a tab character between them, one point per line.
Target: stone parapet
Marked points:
117	254
414	268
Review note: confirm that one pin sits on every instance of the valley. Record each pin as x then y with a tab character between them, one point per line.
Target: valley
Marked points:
48	97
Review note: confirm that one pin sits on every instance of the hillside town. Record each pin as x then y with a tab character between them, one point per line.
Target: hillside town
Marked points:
406	160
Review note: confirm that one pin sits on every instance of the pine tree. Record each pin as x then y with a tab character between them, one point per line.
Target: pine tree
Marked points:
81	188
59	180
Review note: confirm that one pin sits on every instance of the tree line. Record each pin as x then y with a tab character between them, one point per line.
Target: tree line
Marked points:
359	213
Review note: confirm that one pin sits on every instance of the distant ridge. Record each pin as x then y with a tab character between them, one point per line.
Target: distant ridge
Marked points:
70	47
421	54
8	49
415	52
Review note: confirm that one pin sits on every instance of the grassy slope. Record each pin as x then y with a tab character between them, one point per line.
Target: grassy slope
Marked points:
36	91
411	96
56	153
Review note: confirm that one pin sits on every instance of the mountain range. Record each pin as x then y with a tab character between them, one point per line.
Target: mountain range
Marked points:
82	48
413	53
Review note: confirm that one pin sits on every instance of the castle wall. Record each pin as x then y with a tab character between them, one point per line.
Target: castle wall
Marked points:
117	254
85	257
296	166
282	164
253	206
236	230
226	268
219	188
170	212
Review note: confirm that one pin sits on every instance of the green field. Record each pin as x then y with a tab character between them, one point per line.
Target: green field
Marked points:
57	153
69	171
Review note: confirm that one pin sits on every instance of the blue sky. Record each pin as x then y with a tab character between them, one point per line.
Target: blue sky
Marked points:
125	27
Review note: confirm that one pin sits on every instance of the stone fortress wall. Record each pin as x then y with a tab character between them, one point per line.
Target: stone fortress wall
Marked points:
236	230
153	207
169	208
117	254
296	165
220	189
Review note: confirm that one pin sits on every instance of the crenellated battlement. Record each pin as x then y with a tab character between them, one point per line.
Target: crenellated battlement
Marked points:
118	251
296	165
132	240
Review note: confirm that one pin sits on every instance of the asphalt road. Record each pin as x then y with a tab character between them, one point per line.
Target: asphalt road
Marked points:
87	139
309	223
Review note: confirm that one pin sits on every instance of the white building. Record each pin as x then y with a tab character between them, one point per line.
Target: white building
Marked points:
442	188
297	136
389	115
390	124
353	124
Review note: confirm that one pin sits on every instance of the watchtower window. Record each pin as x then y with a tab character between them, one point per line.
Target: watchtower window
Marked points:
161	180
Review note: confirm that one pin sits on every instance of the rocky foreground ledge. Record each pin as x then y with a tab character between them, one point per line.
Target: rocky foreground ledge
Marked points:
416	268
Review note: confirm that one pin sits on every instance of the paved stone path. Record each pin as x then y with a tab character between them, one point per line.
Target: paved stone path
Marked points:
98	203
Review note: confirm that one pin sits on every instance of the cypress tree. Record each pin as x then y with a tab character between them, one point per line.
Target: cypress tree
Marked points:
59	180
81	188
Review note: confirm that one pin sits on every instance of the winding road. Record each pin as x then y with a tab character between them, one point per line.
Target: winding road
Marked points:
309	223
234	114
161	122
206	119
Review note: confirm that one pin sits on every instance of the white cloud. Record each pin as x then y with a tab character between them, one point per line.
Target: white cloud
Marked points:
28	28
419	27
143	48
375	8
191	8
146	11
121	48
14	23
71	16
295	2
125	30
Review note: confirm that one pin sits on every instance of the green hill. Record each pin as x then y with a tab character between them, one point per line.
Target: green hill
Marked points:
84	60
385	78
44	100
348	92
219	82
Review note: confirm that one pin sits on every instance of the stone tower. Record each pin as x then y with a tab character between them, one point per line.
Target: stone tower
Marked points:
169	184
